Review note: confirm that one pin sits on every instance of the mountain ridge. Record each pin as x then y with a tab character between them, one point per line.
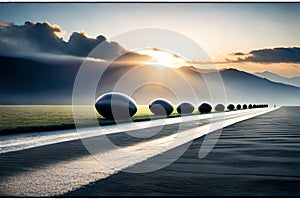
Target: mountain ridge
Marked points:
294	81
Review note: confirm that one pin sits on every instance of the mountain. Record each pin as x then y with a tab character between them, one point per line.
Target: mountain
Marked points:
295	81
241	85
30	81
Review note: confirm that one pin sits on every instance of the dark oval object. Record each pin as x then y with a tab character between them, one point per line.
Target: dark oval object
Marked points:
245	106
204	108
254	106
219	107
230	107
161	107
116	105
250	106
185	108
239	107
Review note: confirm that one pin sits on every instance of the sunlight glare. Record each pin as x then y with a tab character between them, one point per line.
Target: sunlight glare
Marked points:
162	58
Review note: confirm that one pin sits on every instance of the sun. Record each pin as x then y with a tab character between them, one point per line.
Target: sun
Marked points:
162	58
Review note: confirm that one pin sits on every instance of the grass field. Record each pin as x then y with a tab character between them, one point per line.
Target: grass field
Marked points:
24	118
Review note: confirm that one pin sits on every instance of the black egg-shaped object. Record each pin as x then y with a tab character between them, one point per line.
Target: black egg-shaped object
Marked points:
250	106
239	107
219	107
185	108
245	106
230	107
254	106
116	106
161	107
204	108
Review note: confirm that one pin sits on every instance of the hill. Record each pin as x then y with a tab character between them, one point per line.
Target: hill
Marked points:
295	81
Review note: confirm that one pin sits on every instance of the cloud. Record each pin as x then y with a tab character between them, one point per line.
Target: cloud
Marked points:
284	56
238	54
55	28
32	38
80	45
275	55
6	24
176	56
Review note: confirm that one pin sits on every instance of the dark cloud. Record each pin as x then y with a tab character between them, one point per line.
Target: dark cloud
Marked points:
238	54
80	45
45	38
30	37
275	55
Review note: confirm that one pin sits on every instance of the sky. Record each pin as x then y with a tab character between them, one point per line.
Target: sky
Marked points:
220	29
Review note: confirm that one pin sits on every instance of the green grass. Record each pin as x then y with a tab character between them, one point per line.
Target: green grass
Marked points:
24	118
16	119
36	118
